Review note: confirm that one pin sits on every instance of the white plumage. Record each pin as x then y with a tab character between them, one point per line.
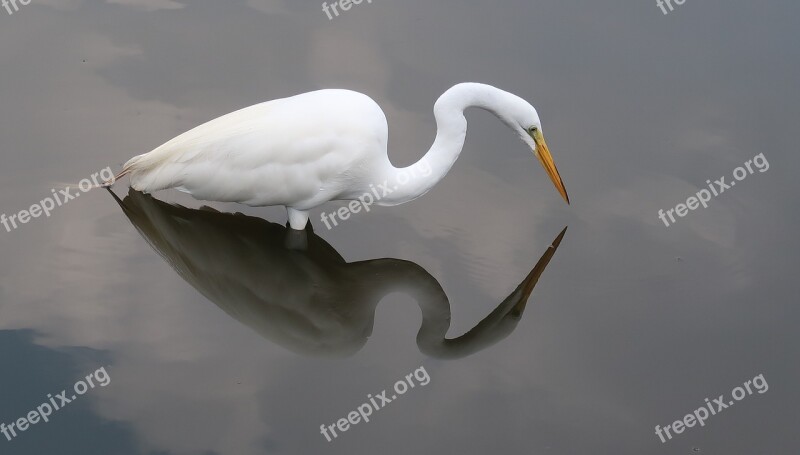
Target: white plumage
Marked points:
320	146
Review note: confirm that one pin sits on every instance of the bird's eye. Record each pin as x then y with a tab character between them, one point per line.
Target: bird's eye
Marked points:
533	129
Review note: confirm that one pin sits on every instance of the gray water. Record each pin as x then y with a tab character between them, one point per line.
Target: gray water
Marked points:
223	334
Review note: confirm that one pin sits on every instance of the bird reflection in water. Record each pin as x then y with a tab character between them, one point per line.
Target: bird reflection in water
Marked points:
295	290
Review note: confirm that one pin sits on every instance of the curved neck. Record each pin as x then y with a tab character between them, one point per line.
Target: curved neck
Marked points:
392	275
451	131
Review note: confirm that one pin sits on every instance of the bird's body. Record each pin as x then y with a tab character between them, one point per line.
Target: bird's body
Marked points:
261	156
316	147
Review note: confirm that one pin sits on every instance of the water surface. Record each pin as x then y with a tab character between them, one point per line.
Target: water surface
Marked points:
632	324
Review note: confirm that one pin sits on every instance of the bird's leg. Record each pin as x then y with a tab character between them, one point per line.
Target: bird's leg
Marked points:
297	218
296	240
296	236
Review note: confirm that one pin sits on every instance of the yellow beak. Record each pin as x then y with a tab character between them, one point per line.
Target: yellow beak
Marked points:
543	154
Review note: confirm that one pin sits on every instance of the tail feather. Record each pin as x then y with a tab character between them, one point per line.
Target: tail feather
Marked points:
129	167
110	183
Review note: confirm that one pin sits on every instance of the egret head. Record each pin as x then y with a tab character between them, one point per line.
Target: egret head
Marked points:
525	121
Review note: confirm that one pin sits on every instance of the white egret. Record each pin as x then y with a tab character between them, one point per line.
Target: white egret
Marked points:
303	151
